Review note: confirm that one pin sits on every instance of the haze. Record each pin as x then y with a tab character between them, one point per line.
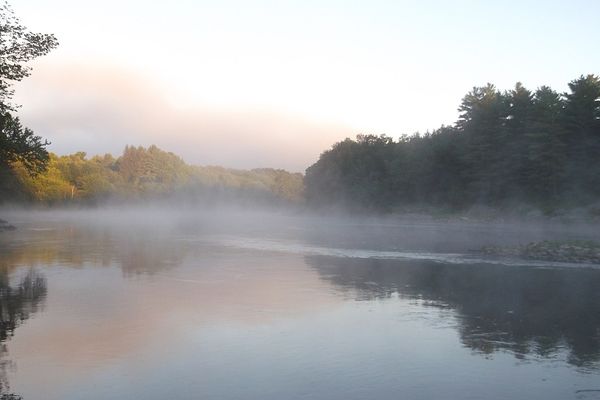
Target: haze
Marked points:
256	84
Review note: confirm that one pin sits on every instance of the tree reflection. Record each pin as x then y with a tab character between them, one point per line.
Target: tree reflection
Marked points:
17	303
526	311
135	252
148	255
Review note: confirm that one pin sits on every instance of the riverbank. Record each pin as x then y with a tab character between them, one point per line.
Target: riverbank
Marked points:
574	251
518	213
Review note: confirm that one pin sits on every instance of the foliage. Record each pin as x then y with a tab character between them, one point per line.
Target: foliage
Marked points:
21	144
150	173
18	46
540	148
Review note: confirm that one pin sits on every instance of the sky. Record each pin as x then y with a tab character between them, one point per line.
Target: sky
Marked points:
249	83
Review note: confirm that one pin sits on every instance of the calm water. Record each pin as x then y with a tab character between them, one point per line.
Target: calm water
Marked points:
148	306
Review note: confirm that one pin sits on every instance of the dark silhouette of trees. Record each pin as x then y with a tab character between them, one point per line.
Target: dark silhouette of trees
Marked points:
18	46
540	148
353	170
21	144
582	123
545	147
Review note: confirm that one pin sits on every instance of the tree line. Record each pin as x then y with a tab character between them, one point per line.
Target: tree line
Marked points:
29	173
540	148
141	174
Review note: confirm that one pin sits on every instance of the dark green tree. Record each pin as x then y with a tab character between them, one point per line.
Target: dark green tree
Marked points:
19	144
482	122
581	121
356	173
514	161
507	148
546	149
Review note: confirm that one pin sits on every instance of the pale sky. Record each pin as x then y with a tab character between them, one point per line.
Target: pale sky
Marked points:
274	83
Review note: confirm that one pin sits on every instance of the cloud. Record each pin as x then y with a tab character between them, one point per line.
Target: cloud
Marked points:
102	109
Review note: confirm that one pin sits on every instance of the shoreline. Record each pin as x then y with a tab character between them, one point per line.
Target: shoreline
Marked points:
571	251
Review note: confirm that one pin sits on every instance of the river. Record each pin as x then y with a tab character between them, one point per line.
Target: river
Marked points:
232	305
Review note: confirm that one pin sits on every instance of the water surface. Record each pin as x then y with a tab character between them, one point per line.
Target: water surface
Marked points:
289	307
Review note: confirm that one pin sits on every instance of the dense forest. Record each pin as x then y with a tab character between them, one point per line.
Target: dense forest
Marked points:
143	173
539	148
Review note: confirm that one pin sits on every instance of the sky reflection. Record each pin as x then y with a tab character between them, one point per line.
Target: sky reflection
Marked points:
144	314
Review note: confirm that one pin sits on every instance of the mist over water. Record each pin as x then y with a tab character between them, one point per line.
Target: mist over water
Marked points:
226	303
236	243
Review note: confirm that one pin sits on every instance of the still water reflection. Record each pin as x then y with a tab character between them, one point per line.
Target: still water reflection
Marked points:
94	312
543	313
18	302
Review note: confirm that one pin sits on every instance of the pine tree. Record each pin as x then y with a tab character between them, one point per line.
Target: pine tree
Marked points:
581	122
